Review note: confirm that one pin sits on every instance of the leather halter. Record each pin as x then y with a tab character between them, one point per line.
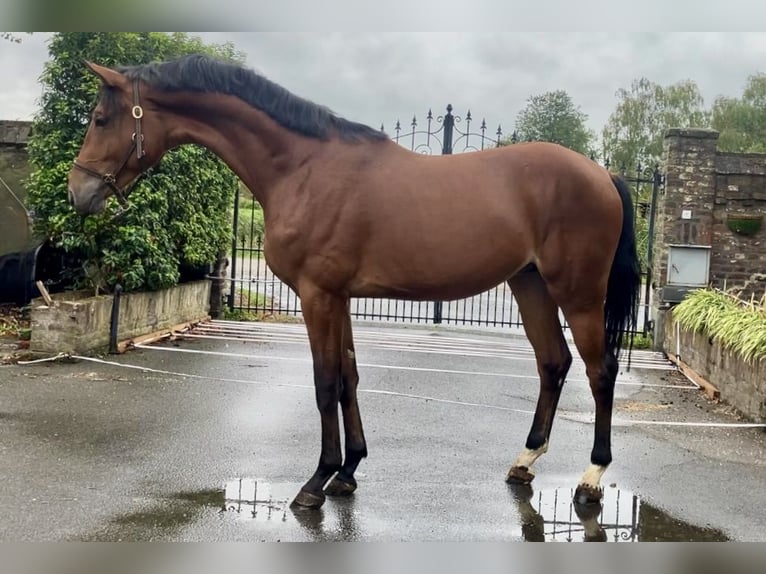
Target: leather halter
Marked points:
137	144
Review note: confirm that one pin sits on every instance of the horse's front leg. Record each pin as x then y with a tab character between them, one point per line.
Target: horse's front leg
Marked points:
324	316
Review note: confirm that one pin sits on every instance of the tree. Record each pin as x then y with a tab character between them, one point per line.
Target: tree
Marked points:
636	128
179	217
553	117
741	122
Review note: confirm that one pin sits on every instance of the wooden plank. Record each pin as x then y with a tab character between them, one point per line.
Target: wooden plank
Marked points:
157	335
44	293
709	388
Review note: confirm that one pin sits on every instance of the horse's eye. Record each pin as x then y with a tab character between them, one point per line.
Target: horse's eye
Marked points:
100	122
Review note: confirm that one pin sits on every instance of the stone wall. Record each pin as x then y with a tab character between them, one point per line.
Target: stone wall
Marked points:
77	323
741	384
739	260
14	169
712	187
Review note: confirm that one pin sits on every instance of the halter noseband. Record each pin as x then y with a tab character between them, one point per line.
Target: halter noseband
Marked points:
137	144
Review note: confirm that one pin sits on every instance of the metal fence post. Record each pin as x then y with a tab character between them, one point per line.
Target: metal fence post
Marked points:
449	126
235	231
114	323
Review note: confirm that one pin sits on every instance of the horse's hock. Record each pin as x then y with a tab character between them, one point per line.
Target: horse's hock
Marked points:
78	323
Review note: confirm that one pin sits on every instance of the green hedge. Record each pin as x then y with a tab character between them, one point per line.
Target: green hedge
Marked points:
738	326
179	217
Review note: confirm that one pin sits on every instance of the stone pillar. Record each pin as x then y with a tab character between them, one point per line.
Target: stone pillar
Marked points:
690	188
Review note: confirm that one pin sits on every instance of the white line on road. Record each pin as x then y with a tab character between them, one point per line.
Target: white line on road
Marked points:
395	367
574	417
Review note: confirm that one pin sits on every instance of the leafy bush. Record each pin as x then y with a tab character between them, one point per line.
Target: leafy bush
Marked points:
180	216
739	326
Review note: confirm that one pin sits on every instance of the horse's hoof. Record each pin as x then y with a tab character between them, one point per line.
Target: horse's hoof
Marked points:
587	512
587	494
306	499
519	475
340	487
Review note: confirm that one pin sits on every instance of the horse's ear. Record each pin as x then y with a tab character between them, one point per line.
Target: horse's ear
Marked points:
108	76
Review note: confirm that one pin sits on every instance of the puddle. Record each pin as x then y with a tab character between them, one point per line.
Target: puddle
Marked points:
254	500
551	516
166	516
250	499
233	510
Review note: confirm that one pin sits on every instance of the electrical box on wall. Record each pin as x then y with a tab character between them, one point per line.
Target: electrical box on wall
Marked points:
688	269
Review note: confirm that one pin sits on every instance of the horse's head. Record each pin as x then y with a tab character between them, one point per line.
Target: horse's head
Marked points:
120	144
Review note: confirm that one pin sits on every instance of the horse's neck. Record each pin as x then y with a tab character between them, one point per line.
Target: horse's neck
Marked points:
255	147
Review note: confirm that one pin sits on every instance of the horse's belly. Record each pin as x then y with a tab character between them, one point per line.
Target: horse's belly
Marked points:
427	281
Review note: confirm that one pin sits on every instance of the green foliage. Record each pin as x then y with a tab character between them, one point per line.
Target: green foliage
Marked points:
738	326
553	117
636	128
178	216
741	122
247	298
250	219
641	341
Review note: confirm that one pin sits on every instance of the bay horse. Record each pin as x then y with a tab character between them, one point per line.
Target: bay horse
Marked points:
349	213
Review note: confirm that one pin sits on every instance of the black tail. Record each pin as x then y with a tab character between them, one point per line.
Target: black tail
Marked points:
621	307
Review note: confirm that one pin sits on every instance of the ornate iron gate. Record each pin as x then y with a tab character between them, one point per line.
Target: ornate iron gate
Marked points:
646	184
255	290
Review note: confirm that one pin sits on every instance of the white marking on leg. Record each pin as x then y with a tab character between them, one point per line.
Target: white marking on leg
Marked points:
529	456
592	476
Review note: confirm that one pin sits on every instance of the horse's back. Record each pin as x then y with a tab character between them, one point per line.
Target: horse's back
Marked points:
458	225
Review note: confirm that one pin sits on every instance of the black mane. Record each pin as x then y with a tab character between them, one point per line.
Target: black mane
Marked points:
199	73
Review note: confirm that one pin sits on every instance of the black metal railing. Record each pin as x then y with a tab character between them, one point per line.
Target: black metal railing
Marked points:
255	290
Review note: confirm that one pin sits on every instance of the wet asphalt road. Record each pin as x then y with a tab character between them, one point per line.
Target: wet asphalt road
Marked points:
94	451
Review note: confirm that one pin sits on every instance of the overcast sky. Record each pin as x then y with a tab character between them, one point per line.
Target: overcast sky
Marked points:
381	77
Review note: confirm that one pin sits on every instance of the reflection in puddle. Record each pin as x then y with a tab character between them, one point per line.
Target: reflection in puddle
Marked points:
547	515
253	499
257	500
621	517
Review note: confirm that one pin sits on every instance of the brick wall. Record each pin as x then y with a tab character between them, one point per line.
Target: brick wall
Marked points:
713	186
736	259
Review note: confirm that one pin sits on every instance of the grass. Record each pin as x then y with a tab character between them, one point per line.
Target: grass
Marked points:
262	309
738	325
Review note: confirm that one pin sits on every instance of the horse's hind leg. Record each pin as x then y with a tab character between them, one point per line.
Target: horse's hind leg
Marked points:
540	316
588	330
356	447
